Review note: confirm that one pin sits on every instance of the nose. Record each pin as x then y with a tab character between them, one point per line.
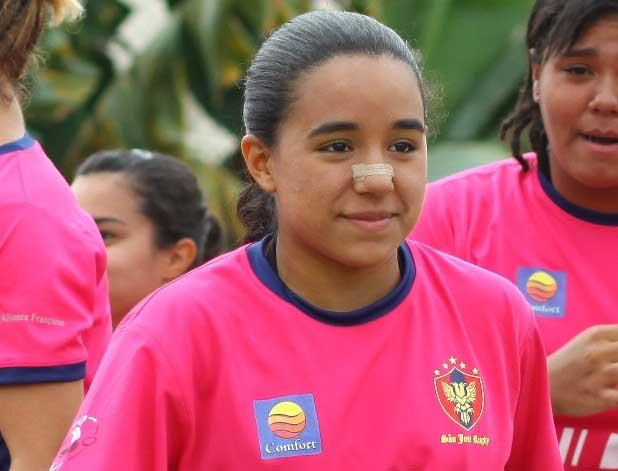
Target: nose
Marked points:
605	99
374	179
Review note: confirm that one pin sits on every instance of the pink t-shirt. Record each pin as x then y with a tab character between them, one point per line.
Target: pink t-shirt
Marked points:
225	368
562	257
54	312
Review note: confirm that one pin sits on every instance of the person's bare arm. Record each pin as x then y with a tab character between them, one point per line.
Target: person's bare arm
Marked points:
34	419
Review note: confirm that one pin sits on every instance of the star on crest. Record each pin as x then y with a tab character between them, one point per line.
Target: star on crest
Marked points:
452	361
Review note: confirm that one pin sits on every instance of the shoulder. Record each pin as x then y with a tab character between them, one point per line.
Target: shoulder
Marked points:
480	178
455	268
187	320
472	200
37	198
35	235
477	292
195	297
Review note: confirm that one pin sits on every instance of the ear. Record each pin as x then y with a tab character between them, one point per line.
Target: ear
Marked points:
178	258
258	158
535	71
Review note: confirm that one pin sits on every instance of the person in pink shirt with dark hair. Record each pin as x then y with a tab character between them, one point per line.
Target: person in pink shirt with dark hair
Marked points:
328	343
54	312
548	220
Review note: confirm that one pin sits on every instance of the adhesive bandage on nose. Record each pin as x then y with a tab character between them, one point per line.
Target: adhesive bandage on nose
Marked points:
360	171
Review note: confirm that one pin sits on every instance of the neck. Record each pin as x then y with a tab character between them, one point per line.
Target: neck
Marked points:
329	285
12	125
603	200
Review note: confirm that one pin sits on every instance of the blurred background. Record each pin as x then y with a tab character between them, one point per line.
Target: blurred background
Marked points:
165	75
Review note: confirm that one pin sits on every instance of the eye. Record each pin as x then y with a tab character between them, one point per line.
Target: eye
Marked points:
577	70
107	236
337	146
402	147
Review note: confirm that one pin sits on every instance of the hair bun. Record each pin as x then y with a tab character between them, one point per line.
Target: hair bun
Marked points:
65	10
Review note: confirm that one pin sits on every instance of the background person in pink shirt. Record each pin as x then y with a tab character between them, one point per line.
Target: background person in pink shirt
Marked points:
329	343
152	216
54	310
548	220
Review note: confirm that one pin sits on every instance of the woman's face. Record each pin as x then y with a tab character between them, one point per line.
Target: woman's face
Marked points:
134	263
350	110
577	92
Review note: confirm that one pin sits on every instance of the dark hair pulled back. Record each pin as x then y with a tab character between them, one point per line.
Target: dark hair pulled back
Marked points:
554	26
297	48
170	197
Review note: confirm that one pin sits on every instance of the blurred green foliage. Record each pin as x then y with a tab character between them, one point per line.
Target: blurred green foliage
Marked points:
473	53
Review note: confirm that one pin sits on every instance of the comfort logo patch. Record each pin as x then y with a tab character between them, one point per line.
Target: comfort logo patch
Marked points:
544	289
287	426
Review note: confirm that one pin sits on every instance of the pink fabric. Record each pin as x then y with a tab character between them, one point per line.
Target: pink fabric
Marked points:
501	218
54	311
202	374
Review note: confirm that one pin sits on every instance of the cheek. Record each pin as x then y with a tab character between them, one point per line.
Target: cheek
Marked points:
560	111
309	183
411	180
130	259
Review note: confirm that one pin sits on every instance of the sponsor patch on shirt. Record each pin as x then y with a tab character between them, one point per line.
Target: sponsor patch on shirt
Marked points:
287	426
544	289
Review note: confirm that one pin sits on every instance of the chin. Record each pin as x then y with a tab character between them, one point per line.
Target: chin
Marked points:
366	255
600	180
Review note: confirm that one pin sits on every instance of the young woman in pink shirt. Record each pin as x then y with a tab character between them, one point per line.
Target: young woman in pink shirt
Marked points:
329	343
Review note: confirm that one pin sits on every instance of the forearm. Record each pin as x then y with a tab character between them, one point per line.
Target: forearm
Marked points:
34	420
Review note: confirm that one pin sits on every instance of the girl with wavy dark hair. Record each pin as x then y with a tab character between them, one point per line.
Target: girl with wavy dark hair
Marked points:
548	219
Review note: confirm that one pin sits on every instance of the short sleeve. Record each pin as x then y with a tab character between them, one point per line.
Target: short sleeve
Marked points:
50	280
133	417
535	444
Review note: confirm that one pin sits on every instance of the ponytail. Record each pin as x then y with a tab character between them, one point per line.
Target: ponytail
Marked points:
257	211
213	241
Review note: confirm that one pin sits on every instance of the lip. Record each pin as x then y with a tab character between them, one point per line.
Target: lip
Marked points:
599	133
601	143
371	221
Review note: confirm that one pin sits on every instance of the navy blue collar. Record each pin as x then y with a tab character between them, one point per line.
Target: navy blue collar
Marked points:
585	214
21	144
264	271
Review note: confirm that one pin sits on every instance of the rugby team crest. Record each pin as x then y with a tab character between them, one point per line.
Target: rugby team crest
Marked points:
460	393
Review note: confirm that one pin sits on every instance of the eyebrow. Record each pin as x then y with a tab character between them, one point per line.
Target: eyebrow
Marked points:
335	126
109	221
413	124
588	52
338	126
